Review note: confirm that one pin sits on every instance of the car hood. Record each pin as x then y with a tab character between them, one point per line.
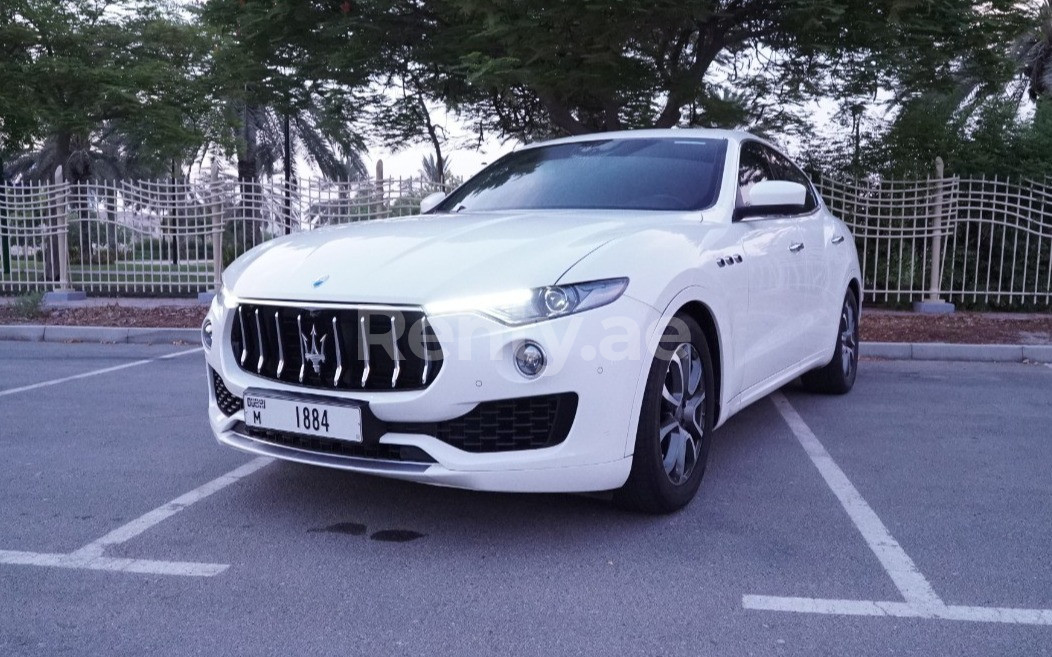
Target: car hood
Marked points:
416	260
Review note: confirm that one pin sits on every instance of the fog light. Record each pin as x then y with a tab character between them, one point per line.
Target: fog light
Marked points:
206	333
529	359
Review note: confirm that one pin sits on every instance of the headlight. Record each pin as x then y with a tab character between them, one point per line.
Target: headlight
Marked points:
526	306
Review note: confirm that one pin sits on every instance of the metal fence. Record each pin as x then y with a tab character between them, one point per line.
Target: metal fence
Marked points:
977	242
169	237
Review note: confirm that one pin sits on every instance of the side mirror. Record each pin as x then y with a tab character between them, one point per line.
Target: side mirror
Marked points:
430	201
774	197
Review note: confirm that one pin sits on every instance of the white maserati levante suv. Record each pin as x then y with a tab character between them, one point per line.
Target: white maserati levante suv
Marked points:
579	316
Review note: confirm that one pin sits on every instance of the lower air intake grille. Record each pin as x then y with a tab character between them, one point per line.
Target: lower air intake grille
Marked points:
512	424
507	425
225	399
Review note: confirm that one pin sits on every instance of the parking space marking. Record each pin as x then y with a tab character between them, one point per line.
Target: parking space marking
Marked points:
921	601
165	511
903	572
105	370
86	562
898	609
91	557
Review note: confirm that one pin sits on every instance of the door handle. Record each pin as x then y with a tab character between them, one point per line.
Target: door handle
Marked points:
838	239
796	247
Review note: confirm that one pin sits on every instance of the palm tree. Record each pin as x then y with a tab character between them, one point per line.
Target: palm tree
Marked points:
433	170
109	153
1033	52
267	137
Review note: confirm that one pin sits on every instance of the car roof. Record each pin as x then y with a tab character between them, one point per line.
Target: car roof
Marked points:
734	136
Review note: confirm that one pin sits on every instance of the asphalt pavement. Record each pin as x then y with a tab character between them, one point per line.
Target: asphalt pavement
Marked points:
126	530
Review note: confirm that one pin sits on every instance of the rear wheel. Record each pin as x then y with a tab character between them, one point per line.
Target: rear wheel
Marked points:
838	377
675	423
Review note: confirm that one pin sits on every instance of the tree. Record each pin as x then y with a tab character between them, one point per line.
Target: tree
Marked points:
547	67
1034	53
295	69
100	85
91	71
980	114
18	122
431	171
403	116
265	137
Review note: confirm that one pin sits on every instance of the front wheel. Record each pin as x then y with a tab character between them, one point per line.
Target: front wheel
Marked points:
838	377
675	423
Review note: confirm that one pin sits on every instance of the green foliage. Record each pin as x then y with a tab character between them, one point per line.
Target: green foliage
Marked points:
124	88
994	141
432	171
977	115
306	63
569	67
29	305
1033	51
89	72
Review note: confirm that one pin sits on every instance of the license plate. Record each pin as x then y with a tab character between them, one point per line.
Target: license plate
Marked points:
308	416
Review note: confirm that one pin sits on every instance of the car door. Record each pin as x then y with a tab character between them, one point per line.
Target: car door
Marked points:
813	261
771	337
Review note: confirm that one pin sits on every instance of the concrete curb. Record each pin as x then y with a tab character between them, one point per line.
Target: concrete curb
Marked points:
988	353
109	334
983	353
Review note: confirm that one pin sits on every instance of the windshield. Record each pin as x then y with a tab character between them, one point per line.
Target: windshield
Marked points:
611	174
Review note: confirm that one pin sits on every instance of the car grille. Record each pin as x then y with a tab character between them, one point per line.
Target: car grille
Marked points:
376	451
227	402
352	348
512	424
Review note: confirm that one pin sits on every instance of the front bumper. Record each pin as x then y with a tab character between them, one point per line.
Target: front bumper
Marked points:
600	355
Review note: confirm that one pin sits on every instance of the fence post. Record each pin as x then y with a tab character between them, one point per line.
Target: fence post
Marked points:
217	228
381	201
5	239
934	303
63	235
63	292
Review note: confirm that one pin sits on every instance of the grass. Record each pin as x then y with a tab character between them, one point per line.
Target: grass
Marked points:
29	305
125	278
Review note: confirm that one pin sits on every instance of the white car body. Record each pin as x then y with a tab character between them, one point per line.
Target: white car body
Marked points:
774	313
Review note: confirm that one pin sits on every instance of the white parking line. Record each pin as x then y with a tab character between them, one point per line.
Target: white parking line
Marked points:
898	609
86	562
105	370
90	557
904	573
165	511
921	601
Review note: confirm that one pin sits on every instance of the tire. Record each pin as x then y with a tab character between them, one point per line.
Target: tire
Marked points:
674	419
838	376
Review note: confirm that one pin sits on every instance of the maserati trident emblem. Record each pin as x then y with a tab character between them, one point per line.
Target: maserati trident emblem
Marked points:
314	352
